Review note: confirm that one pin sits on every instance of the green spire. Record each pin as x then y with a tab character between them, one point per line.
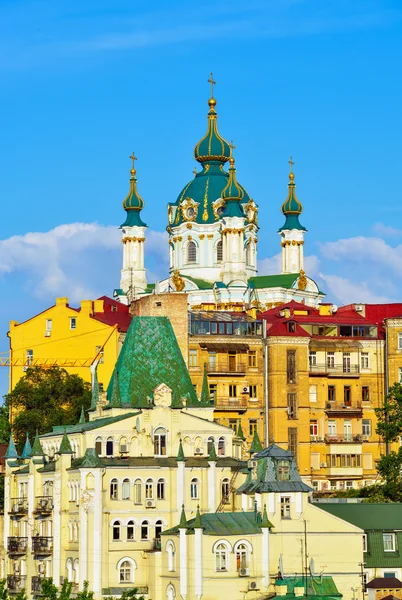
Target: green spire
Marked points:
133	203
197	521
265	521
115	401
91	458
65	446
11	450
292	208
180	454
256	445
205	398
240	433
212	454
82	416
233	194
95	390
37	449
183	520
27	451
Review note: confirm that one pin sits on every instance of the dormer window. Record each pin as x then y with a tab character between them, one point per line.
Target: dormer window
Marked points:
291	327
160	442
283	470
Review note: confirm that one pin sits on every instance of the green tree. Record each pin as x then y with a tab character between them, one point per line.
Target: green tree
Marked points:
131	594
46	397
3	589
4	425
389	427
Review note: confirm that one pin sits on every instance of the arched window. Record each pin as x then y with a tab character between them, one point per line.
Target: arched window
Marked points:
149	489
114	489
98	446
48	488
170	592
225	490
160	442
75	531
137	491
221	446
242	557
69	569
125	490
195	489
221	558
123	446
76	571
70	532
249	253
219	251
160	489
170	549
116	536
158	529
130	530
210	443
109	447
126	571
191	252
145	530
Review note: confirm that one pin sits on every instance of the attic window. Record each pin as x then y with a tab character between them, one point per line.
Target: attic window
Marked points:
114	308
282	470
291	327
158	304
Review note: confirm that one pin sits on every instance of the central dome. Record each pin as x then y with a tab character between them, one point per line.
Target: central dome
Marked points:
212	146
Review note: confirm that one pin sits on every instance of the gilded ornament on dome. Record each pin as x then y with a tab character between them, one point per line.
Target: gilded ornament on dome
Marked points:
177	281
251	211
189	209
302	281
218	207
170	215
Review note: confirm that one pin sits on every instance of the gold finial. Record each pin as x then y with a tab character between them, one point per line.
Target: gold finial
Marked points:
212	82
133	158
195	171
291	174
232	147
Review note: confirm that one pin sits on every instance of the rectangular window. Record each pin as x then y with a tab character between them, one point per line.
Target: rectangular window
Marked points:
292	441
213	388
364	542
29	357
313	428
313	393
330	360
291	366
233	391
364	359
252	427
212	359
253	391
49	324
347	395
101	354
332	428
312	359
389	542
400	374
347	430
349	485
333	485
73	323
233	424
292	405
283	470
285	507
232	362
252	358
389	574
400	340
193	358
346	362
365	393
366	428
331	393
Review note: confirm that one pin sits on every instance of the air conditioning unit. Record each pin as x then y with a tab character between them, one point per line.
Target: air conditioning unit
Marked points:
245	389
150	503
244	572
252	585
198	451
47	333
252	464
124	448
323	465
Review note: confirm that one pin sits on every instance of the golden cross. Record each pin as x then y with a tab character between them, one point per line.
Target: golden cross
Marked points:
212	82
195	170
232	147
133	158
291	164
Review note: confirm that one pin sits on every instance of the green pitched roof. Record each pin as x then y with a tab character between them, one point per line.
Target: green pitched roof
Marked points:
265	522
205	398
37	449
240	433
65	446
150	356
89	425
202	284
212	454
27	451
180	454
197	521
95	390
224	523
183	520
115	398
91	459
285	280
82	415
317	587
11	450
256	445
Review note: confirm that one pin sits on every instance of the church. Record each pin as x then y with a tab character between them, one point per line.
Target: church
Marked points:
213	238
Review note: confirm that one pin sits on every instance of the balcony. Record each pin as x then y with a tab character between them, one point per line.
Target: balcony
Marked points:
344	439
36	584
326	370
16	583
236	404
42	546
44	505
16	546
226	368
18	507
347	409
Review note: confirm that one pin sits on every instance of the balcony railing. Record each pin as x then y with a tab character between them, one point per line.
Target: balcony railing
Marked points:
36	584
335	370
16	583
42	545
18	506
344	439
44	504
226	403
226	367
343	408
17	545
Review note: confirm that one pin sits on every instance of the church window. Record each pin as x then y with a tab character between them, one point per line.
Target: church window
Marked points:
210	443
130	530
126	572
116	531
160	489
125	490
137	491
225	490
114	489
109	447
145	530
98	446
219	251
158	529
292	405
221	446
160	442
149	489
170	549
221	558
194	489
191	252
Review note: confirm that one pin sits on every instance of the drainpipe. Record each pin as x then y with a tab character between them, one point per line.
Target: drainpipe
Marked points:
265	342
386	387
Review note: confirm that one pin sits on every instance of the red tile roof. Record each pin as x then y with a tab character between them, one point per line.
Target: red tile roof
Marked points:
115	313
386	583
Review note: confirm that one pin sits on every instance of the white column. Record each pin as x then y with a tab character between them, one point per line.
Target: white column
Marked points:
97	533
198	563
183	563
56	528
6	510
212	506
265	556
181	483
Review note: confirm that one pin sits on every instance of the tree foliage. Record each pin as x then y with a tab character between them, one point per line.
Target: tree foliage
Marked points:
46	397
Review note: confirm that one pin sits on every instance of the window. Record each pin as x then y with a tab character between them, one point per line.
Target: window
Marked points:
130	530
313	428
233	424
158	529
283	470
399	340
232	361
252	358
285	507
347	430
366	428
212	359
331	393
253	392
101	354
170	549
330	360
332	428
312	359
252	427
191	252
49	324
399	370
221	558
114	489
137	491
291	366
73	323
160	489
109	447
221	446
242	557
347	395
292	406
213	388
248	254
29	357
344	460
365	393
126	572
349	485
149	489
225	490
389	542
364	542
291	326
194	489
116	531
210	443
145	530
333	485
193	358
98	446
313	393
125	490
219	251
346	362
389	574
233	391
364	360
292	440
160	442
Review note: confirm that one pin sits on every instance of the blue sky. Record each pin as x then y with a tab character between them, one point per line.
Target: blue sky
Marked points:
83	83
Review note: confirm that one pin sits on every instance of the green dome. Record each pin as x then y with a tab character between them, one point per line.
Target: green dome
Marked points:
233	194
212	146
292	207
133	203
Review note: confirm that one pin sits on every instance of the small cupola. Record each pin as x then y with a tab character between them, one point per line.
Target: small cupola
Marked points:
292	207
133	203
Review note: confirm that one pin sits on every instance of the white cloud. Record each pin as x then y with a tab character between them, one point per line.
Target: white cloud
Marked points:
386	230
345	291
